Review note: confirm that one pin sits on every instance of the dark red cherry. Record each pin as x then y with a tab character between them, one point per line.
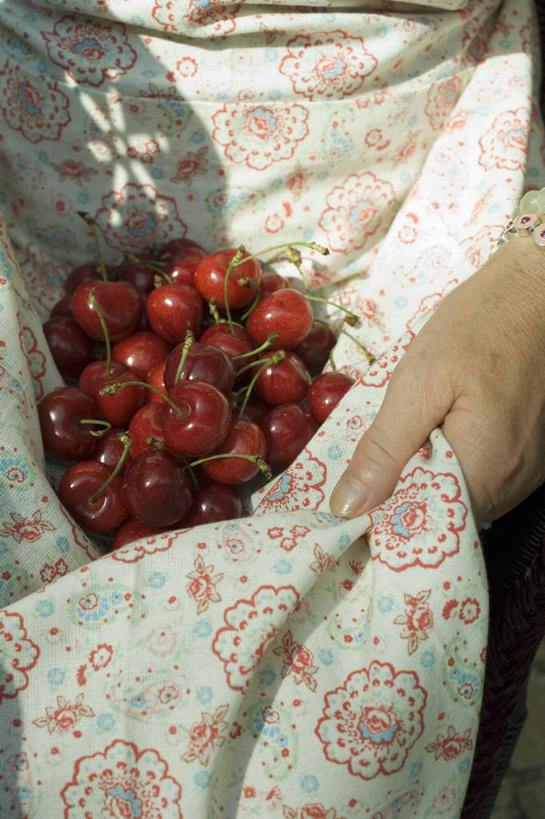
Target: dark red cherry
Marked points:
214	503
270	282
83	273
109	450
63	308
287	428
180	264
285	312
156	377
245	438
206	419
61	413
316	346
77	488
71	348
138	274
157	489
131	531
118	302
146	427
95	373
233	340
204	362
210	279
140	352
172	310
285	382
119	406
325	392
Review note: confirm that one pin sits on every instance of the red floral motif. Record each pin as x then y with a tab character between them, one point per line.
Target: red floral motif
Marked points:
90	51
215	15
505	143
441	98
65	715
100	656
251	625
312	810
470	610
202	585
137	216
35	359
327	65
355	211
381	369
192	164
297	660
19	655
125	781
288	541
49	572
481	245
418	619
371	722
450	746
148	154
150	546
296	181
207	735
260	133
34	106
421	522
300	487
29	529
322	561
73	171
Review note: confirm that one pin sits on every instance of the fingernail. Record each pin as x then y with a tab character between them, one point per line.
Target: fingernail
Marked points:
348	499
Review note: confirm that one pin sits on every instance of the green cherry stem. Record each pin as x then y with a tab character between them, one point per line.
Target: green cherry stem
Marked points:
256	459
91	224
254	286
97	433
214	312
294	257
235	261
368	355
351	318
279	355
192	475
112	389
94	305
311	245
266	344
157	267
188	341
125	439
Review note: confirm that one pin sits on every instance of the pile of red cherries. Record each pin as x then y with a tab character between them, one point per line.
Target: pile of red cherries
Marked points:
190	374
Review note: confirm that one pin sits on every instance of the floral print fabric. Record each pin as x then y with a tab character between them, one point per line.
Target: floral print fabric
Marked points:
287	664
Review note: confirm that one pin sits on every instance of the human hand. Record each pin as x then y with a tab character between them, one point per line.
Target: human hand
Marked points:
477	369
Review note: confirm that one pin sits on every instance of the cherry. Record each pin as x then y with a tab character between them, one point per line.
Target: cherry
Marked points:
285	312
157	489
140	352
63	308
210	278
287	428
255	410
214	503
78	489
71	348
203	362
325	392
316	346
284	382
181	263
172	310
119	405
140	275
203	423
119	304
156	378
233	340
110	448
93	376
61	413
146	427
83	273
131	531
272	281
245	438
179	245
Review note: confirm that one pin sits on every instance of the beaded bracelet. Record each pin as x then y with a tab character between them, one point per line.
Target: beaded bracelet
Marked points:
528	219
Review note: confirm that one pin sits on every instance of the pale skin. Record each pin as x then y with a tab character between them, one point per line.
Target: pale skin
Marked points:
477	370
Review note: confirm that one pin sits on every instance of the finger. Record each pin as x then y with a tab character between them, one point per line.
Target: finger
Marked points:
409	412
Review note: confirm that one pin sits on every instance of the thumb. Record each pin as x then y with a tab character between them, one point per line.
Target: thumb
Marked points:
407	416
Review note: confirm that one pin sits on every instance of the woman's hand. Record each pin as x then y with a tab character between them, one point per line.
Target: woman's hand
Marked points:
477	369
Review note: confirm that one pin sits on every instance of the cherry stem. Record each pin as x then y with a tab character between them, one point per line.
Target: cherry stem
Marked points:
294	257
254	285
214	312
112	389
192	475
188	341
368	355
94	305
157	267
311	245
266	344
351	318
256	459
99	423
125	439
279	355
91	224
235	261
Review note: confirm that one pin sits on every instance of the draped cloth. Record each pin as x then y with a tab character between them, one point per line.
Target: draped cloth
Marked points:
288	663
